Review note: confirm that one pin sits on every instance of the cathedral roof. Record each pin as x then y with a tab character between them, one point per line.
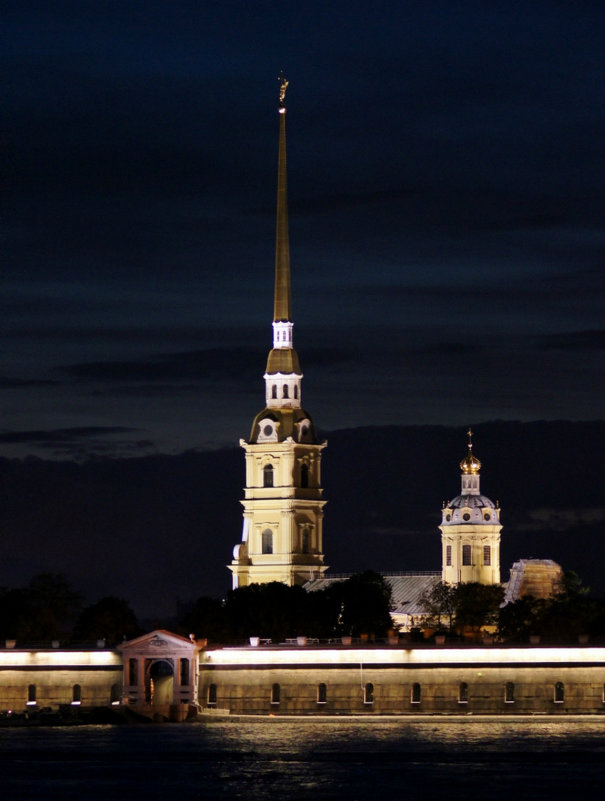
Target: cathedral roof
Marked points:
407	589
470	501
294	423
283	360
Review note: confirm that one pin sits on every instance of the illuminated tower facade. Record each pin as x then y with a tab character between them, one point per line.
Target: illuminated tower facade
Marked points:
283	506
470	530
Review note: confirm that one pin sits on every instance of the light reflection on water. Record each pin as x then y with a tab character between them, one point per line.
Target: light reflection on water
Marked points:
351	759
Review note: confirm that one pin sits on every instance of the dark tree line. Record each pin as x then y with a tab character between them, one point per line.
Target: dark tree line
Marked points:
470	608
49	609
356	606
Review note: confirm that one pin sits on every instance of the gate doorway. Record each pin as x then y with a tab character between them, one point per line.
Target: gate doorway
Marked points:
160	683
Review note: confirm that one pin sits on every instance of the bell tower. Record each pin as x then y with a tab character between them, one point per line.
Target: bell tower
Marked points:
283	506
470	530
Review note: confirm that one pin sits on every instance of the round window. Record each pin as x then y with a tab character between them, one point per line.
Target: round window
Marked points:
466	516
448	518
487	516
268	430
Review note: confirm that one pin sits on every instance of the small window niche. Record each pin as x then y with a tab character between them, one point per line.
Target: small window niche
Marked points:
509	692
76	695
212	695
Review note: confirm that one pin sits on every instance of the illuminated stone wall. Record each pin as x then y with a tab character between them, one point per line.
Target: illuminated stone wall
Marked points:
466	680
35	679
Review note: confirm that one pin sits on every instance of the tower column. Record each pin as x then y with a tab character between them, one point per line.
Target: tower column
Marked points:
283	494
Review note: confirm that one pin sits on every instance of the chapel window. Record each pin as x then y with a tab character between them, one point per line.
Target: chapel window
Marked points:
304	476
487	555
267	543
285	391
466	555
448	555
268	475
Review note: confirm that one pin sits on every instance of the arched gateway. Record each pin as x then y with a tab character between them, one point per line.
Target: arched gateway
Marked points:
161	674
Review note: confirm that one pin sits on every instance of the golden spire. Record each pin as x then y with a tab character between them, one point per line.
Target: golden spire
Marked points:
470	463
282	297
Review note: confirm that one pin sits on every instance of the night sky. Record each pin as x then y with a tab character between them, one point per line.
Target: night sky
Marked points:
446	170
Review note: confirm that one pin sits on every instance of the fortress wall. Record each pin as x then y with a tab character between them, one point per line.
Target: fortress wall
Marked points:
53	674
244	686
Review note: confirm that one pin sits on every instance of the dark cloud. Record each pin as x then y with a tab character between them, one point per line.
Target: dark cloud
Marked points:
205	365
7	382
64	435
575	340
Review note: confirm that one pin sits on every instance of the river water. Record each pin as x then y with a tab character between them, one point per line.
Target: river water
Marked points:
350	759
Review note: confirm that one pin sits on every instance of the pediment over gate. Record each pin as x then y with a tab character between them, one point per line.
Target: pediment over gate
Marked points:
160	643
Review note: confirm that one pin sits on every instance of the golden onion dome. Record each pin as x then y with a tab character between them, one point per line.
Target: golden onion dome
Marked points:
470	464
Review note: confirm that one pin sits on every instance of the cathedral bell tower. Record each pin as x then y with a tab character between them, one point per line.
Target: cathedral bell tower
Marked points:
470	530
283	506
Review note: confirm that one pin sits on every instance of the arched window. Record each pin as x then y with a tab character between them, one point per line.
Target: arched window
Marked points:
368	693
487	555
448	555
559	692
509	692
466	554
184	671
268	475
463	693
31	695
415	699
322	693
304	475
212	695
305	541
275	694
285	391
274	391
296	392
267	545
76	695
